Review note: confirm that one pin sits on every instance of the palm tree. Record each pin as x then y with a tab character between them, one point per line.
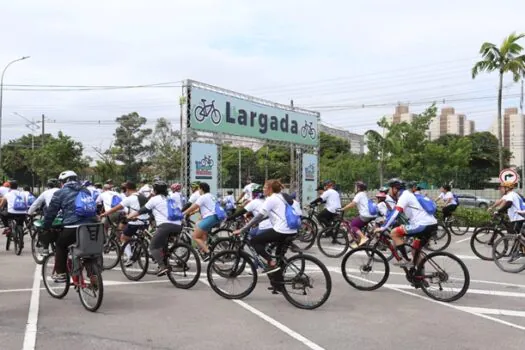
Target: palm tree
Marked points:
505	59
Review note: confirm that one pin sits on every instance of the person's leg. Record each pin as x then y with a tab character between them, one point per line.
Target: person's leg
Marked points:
200	235
158	243
447	212
357	224
325	217
65	238
260	241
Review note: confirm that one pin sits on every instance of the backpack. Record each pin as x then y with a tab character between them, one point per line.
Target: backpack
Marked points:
522	203
142	199
372	207
95	194
292	219
456	198
85	205
30	199
174	212
115	200
428	204
20	202
229	204
220	212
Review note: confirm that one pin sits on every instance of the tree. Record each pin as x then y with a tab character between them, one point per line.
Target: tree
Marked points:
107	167
129	139
165	151
505	59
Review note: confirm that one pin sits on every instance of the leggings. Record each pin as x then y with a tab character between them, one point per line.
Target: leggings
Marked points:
326	217
260	241
160	240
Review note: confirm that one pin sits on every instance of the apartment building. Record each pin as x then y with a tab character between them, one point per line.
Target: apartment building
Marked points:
513	130
357	142
401	114
448	122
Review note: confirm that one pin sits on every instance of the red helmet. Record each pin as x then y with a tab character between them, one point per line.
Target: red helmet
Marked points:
381	195
176	187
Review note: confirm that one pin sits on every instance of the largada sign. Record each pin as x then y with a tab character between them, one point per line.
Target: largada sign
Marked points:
217	112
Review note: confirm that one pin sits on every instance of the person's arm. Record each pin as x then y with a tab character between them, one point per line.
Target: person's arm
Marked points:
353	203
52	209
112	210
192	209
37	204
496	204
253	222
239	212
505	207
3	202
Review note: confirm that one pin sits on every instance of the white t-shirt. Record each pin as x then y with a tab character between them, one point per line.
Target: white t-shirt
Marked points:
512	211
10	197
332	199
4	191
146	190
382	208
255	206
131	204
159	207
361	199
194	196
106	198
415	213
176	196
229	199
275	208
297	207
43	199
247	190
446	196
206	204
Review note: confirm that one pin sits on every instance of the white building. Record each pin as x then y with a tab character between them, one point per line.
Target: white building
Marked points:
357	142
513	130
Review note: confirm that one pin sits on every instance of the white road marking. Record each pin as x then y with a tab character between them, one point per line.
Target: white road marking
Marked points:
496	293
32	317
463	240
487	311
310	344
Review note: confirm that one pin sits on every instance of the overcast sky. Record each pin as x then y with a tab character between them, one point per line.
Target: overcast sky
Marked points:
321	54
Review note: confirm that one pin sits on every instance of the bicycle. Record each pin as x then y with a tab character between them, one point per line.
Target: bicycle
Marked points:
236	266
207	161
307	234
308	129
112	249
83	268
509	246
418	276
484	237
207	110
15	234
37	247
454	223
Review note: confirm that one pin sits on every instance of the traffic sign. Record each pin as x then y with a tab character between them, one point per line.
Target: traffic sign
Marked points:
508	175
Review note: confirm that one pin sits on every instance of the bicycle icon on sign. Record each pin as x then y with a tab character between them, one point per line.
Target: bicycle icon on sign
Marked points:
207	161
207	110
308	129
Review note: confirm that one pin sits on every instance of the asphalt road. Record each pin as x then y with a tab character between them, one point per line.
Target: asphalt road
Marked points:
152	314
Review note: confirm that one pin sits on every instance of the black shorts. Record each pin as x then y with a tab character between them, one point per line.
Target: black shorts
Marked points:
131	230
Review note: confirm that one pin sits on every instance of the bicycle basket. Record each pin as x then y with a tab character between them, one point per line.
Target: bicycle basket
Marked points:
90	240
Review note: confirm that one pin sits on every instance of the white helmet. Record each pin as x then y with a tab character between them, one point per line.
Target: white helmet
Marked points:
66	175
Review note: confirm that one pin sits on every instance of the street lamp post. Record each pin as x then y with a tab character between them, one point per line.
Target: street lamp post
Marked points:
1	100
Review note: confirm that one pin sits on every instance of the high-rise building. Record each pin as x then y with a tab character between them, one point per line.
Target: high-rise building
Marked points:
357	142
401	115
448	122
513	132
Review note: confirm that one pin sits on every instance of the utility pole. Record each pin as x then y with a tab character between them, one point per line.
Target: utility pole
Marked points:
522	145
31	125
266	164
292	161
240	172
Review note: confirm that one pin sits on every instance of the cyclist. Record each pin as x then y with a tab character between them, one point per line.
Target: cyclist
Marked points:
133	202
4	189
16	203
175	192
254	207
194	195
448	198
158	206
145	189
64	200
42	202
420	222
229	202
206	205
333	202
246	194
109	199
29	195
361	202
275	209
382	205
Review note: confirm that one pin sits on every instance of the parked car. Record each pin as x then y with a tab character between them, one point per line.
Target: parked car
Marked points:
470	200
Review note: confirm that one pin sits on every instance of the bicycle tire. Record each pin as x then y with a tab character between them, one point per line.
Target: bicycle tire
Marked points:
443	239
341	234
18	236
185	262
48	260
466	273
94	275
476	242
239	255
326	275
8	242
509	241
370	253
139	253
380	246
197	113
304	131
110	246
456	226
306	239
37	257
312	133
216	117
222	244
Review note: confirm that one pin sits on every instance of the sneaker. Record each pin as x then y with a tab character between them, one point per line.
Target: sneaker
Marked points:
59	277
129	262
162	271
353	245
205	257
270	269
516	257
363	241
403	263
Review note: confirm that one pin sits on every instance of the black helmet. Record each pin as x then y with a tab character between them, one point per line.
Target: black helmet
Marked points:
412	184
160	187
361	186
395	182
52	183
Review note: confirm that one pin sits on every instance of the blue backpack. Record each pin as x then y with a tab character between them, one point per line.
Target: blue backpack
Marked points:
456	198
372	207
522	204
95	194
115	201
220	212
174	212
30	199
428	204
292	219
229	204
20	202
85	205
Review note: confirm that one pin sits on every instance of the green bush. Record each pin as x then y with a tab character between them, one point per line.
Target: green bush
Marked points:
473	217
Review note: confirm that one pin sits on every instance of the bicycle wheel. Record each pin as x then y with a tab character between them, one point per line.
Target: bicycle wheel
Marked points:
380	246
216	116
458	225
439	240
331	244
223	244
358	267
111	254
483	240
198	114
134	261
230	260
57	290
437	280
91	287
303	278
8	239
505	253
37	250
185	266
19	239
306	234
